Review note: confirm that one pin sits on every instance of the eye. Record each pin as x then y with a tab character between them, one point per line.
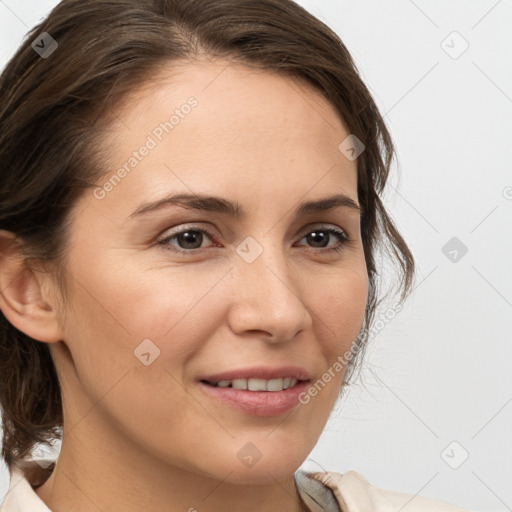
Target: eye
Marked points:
321	235
190	239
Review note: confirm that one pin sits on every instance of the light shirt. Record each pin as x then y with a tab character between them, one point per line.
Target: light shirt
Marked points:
321	492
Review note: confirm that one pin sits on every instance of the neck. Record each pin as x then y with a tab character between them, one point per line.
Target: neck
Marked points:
91	483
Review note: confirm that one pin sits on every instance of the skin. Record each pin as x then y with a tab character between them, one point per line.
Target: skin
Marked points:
138	437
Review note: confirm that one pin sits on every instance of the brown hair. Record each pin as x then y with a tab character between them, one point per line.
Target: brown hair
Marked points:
54	110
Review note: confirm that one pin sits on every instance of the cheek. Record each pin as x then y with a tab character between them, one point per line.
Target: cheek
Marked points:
338	314
136	301
340	308
117	318
122	313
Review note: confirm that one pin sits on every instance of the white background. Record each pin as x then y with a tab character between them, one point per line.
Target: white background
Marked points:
439	371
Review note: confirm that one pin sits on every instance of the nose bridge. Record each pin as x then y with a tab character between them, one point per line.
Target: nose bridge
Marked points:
266	264
269	297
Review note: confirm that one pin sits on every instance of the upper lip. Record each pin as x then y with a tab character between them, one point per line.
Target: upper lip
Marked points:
259	372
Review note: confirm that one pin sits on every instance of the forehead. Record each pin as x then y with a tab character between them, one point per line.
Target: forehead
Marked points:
232	99
219	81
225	129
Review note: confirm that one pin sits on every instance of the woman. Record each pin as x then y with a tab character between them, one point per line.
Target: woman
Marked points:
168	169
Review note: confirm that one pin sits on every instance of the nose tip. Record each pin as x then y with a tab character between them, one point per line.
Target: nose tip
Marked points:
268	305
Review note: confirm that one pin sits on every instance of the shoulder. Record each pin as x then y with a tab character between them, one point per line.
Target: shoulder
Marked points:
21	496
355	494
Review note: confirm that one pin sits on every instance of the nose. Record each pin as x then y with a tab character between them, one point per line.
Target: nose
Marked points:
268	298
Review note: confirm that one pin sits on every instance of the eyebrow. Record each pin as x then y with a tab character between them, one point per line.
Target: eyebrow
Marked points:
235	209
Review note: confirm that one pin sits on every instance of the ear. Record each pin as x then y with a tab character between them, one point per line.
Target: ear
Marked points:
24	300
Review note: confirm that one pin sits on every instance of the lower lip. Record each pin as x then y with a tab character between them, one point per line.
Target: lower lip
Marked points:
258	403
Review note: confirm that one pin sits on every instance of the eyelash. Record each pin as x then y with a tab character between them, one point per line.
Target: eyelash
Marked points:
340	234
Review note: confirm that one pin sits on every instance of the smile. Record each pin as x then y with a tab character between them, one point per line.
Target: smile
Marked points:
257	384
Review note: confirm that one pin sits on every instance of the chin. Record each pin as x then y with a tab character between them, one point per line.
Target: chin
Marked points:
259	467
260	474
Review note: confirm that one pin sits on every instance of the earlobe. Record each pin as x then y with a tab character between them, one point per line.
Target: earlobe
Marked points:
22	300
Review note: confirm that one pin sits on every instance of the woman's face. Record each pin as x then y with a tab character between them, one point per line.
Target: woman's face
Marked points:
153	312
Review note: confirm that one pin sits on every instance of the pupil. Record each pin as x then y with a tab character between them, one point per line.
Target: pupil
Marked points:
189	237
315	234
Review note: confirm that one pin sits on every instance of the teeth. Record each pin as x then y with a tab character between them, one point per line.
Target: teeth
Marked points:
239	383
273	385
258	384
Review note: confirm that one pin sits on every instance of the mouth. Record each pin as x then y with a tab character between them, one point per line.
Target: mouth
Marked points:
256	397
257	390
254	384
